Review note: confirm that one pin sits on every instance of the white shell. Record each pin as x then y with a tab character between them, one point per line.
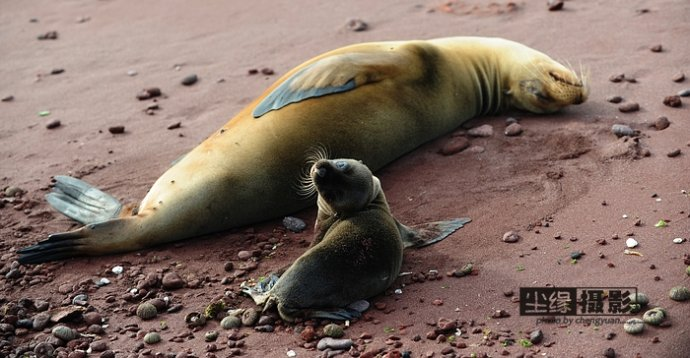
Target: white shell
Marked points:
678	240
630	242
118	270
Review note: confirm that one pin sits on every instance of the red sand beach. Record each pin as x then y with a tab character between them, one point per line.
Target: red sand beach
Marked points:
565	184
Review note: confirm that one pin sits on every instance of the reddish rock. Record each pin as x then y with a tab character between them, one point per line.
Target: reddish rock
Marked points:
673	101
454	145
172	281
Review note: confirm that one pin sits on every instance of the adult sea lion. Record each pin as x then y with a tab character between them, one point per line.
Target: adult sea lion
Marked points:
357	251
371	101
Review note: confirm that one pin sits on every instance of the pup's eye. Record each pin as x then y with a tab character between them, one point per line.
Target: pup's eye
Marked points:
342	165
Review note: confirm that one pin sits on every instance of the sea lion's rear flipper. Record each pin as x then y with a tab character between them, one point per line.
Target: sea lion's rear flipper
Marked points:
92	239
329	75
352	311
429	233
82	202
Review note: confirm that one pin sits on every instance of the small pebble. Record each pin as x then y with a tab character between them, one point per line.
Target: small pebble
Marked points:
500	314
249	317
661	123
333	330
678	77
210	336
629	107
149	93
679	293
190	80
132	73
98	346
674	153
621	130
118	270
116	129
485	130
631	243
53	124
57	71
9	98
50	35
244	255
614	99
673	101
172	281
656	48
681	93
513	130
175	125
634	326
609	353
454	145
554	5
678	240
536	336
617	78
294	224
576	255
356	25
267	71
332	343
511	237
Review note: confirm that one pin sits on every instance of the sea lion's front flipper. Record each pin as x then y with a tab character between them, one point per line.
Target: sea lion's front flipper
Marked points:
330	75
429	233
82	202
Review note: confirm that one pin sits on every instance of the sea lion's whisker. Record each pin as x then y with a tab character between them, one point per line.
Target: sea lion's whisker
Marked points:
305	186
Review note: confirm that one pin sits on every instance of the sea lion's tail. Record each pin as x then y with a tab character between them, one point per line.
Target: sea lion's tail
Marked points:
82	202
429	233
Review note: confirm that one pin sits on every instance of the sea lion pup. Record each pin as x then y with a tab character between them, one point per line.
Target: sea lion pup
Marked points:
357	251
372	101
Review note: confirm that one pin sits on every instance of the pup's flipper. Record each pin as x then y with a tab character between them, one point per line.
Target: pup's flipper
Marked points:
82	202
429	233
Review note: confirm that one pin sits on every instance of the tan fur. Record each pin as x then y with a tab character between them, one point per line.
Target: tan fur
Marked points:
408	93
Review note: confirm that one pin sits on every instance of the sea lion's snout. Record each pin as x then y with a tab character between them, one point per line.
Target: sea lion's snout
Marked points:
320	172
321	169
